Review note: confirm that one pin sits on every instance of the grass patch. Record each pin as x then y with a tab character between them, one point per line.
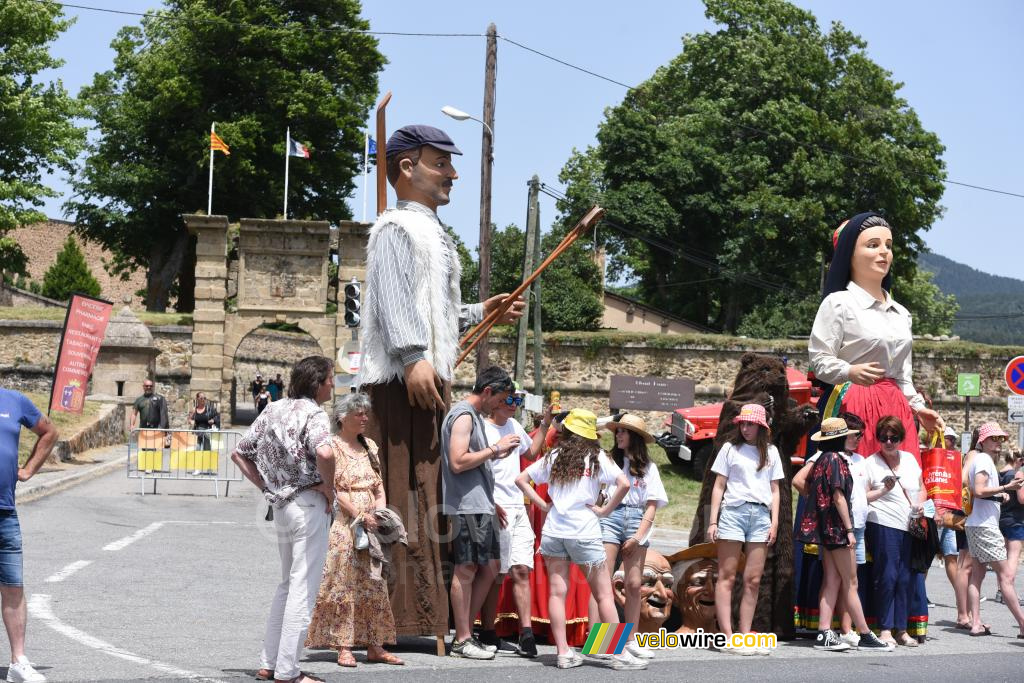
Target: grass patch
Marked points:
683	492
67	423
57	314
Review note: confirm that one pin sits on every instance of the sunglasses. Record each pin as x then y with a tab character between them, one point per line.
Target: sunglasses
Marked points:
514	400
890	438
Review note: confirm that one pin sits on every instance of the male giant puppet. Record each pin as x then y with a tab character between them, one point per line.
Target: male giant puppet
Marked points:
412	317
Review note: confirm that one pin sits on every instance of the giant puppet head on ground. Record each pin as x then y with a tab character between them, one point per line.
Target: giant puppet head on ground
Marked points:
762	379
694	575
655	592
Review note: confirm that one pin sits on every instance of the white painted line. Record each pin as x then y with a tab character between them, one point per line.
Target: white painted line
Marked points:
39	607
123	543
68	571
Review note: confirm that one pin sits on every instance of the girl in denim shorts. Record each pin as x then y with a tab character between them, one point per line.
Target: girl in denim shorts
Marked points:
744	510
629	525
574	473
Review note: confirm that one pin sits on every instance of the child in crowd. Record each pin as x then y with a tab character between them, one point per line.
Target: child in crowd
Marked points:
574	472
744	510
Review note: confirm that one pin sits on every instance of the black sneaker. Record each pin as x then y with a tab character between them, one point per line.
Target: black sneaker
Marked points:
491	641
869	641
527	645
829	641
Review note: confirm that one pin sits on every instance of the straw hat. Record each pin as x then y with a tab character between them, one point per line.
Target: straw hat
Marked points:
752	412
833	428
990	429
634	424
582	423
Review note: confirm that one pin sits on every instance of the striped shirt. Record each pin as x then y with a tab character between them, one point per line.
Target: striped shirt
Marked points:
404	332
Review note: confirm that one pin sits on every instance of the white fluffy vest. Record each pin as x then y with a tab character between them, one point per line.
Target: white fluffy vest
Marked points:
437	300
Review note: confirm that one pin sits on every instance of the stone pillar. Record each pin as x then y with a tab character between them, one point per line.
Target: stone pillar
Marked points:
208	318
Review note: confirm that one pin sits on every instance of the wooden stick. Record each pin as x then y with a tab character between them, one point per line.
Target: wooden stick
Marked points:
481	330
382	158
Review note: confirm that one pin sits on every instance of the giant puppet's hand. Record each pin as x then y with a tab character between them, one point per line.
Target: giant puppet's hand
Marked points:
422	384
514	313
931	421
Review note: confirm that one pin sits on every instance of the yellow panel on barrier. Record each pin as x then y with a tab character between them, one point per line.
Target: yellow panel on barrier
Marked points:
151	460
194	460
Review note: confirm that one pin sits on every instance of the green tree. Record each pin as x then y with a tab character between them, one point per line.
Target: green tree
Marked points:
37	135
933	311
736	160
254	67
69	274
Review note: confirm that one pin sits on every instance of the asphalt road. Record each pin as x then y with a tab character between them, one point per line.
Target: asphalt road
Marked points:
177	585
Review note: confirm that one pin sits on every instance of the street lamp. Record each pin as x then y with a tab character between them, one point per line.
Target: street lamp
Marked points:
460	115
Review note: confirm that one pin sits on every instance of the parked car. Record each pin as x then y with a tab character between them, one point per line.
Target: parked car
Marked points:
690	432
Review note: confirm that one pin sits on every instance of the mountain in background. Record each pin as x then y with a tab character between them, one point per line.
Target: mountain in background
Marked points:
991	306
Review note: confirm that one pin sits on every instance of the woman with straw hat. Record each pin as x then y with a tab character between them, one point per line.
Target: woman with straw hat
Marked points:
630	524
574	473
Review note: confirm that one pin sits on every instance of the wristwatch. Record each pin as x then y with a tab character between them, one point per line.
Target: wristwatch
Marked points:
849	531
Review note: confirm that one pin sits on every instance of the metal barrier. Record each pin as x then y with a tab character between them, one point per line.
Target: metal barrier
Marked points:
183	455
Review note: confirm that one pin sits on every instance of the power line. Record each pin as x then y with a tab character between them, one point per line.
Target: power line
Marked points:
345	29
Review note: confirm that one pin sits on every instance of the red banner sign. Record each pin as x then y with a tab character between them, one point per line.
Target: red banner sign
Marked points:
84	327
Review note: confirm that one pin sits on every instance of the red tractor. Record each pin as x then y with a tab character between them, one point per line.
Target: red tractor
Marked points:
690	432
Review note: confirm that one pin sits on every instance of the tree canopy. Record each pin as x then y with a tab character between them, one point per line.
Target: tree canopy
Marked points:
37	134
254	67
726	171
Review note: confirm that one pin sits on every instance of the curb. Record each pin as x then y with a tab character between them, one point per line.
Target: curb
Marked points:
67	481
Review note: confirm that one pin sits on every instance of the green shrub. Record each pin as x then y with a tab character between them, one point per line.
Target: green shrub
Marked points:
69	274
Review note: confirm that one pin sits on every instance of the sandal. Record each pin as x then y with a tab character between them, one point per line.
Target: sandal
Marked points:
303	678
385	658
908	640
346	659
265	675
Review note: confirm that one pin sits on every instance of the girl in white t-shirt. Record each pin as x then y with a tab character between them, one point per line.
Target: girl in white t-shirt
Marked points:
744	509
629	525
574	473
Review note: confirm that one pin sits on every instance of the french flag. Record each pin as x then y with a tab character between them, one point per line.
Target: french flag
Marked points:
297	149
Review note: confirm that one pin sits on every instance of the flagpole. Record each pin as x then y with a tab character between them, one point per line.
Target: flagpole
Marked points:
366	168
287	154
209	194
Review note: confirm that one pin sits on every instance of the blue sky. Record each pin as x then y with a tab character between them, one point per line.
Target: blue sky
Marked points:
960	63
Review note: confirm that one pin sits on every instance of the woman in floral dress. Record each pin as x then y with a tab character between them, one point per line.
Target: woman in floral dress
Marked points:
353	609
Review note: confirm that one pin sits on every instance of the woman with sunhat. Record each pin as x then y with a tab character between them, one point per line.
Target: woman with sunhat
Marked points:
860	344
574	473
744	510
983	536
828	522
628	528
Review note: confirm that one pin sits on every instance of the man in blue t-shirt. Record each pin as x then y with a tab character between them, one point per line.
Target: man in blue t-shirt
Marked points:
17	411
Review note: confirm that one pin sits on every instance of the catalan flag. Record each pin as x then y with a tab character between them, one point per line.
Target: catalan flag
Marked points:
218	145
608	639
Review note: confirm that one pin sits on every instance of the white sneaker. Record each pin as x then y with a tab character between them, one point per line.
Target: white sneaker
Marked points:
23	672
470	650
851	639
569	660
602	657
627	662
638	652
196	473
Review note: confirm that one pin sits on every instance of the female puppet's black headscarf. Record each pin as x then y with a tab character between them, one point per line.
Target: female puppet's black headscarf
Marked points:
839	270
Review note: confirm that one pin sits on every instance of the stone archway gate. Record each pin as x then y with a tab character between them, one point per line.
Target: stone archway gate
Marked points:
282	277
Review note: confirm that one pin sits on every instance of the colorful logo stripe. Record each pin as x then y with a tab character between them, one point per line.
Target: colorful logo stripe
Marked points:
607	639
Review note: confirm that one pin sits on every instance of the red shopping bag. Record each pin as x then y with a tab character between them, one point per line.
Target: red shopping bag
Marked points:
941	474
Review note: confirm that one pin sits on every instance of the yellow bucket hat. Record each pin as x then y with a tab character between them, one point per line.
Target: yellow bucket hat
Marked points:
582	423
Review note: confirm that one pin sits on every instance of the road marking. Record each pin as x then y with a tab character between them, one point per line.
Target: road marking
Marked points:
39	607
123	543
68	571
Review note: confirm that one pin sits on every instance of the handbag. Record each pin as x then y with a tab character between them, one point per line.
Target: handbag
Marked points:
361	540
917	527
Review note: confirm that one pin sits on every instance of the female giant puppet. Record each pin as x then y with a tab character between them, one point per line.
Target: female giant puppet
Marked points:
860	352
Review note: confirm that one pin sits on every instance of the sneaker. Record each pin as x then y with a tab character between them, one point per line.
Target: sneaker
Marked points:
527	646
851	639
469	649
828	640
869	641
490	641
196	473
570	660
23	672
627	662
489	648
741	651
637	651
601	657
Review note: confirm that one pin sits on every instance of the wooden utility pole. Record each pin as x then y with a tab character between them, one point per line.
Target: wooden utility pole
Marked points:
486	165
529	265
538	340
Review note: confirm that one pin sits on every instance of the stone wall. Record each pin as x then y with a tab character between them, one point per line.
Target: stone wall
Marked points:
107	430
14	297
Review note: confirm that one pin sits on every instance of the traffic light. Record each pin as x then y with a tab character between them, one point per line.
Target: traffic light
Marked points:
352	303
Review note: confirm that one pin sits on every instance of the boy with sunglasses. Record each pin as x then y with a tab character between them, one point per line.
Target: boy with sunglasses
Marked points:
515	534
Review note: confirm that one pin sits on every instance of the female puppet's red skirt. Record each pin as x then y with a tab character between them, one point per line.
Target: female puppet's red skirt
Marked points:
872	404
576	602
